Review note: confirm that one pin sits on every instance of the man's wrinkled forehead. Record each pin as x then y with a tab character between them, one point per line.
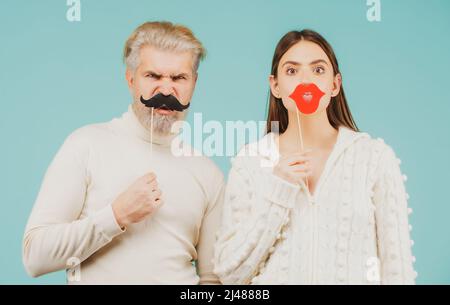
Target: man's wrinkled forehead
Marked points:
166	62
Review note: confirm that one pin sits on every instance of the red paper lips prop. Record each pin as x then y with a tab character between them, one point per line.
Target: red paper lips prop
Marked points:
307	97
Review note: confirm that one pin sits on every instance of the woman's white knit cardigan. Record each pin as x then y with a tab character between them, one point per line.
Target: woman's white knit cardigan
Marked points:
353	230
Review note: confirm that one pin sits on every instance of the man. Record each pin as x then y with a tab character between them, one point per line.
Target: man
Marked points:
116	199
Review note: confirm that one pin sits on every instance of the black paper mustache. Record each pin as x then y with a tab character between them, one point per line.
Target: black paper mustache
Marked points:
160	100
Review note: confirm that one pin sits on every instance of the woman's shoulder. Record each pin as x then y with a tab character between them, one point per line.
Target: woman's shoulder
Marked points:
262	153
376	149
363	141
374	155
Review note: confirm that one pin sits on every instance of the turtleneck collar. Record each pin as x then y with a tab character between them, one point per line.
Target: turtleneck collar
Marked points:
132	123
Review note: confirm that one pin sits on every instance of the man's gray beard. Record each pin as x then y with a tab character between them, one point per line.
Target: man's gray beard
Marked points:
162	124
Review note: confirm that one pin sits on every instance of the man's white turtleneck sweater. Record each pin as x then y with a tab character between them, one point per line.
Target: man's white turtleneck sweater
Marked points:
73	219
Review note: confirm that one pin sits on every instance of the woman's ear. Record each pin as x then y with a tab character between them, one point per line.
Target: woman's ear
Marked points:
337	82
274	86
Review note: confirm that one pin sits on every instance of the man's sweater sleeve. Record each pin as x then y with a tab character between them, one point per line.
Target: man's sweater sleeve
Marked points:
56	230
209	228
253	217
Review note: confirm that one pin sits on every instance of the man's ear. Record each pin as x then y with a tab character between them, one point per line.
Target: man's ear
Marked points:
129	75
195	77
274	86
337	83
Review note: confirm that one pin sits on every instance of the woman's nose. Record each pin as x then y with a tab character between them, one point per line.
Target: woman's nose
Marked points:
304	77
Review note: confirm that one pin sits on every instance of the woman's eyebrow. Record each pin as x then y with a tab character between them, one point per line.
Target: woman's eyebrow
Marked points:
291	62
318	61
314	62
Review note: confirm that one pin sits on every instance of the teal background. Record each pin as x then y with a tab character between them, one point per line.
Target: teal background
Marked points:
56	76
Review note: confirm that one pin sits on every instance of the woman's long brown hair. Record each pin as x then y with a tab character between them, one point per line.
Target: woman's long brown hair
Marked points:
338	111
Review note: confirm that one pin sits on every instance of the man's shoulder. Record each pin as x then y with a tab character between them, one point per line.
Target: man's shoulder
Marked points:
202	166
91	133
206	166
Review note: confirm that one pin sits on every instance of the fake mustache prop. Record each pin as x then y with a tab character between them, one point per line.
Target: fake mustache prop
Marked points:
307	97
161	101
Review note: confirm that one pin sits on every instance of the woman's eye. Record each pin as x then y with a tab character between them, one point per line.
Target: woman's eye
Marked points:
291	71
319	70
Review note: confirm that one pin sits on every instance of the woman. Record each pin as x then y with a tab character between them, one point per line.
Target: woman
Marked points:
334	212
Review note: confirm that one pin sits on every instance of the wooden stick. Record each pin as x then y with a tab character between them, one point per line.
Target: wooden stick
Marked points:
151	133
151	153
301	139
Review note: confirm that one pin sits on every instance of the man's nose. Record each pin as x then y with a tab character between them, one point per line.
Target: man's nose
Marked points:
166	89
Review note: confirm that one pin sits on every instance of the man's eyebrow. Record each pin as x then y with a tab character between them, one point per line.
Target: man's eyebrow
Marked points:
157	75
179	75
314	62
153	73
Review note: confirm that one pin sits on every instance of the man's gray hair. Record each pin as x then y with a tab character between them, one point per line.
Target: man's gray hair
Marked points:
163	36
